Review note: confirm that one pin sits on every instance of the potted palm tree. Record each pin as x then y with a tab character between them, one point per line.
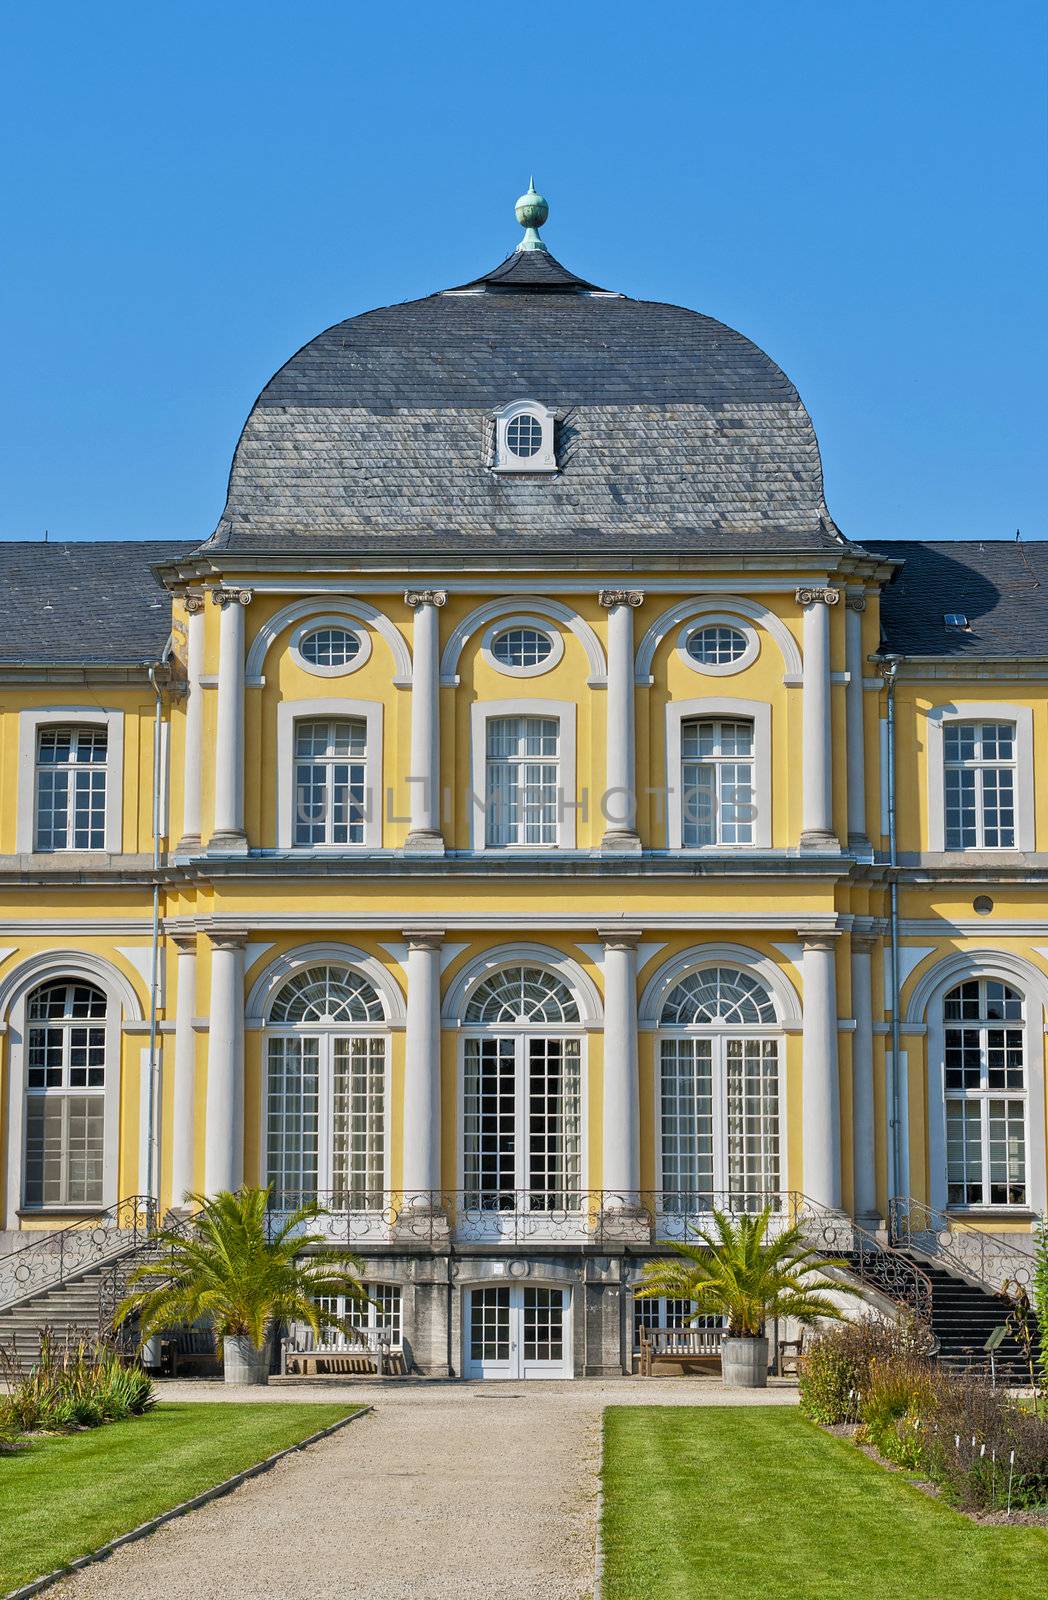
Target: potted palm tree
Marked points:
225	1268
736	1271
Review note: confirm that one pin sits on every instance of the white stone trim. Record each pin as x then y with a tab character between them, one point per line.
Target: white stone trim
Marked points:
725	669
591	1007
29	724
337	605
264	989
508	605
520	620
122	1008
981	711
925	1006
545	461
756	711
480	714
754	962
729	604
291	711
311	625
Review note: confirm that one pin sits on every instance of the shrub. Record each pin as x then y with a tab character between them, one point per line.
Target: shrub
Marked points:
975	1438
80	1385
895	1401
835	1371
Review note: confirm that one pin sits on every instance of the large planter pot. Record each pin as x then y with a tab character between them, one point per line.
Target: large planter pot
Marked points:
744	1363
241	1362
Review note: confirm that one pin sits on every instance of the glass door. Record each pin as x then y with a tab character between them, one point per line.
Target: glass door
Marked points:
518	1331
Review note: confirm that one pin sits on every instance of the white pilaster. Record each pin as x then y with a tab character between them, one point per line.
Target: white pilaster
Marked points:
856	605
817	832
224	1134
192	762
182	1117
619	801
863	1154
820	1089
621	1148
422	1067
424	784
228	835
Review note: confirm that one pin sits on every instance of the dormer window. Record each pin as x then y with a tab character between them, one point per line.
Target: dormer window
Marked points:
524	438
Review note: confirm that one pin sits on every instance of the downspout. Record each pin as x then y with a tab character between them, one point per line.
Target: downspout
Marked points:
152	1143
896	1177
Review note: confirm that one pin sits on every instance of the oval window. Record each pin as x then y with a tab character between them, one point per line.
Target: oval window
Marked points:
524	435
717	646
521	647
329	647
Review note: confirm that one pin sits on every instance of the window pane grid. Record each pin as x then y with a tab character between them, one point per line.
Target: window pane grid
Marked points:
985	1128
522	781
979	785
489	1124
554	1092
358	1122
716	782
687	1121
330	647
71	788
521	647
330	782
717	645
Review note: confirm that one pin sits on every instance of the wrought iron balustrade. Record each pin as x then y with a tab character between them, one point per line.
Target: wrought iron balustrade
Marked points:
984	1259
50	1259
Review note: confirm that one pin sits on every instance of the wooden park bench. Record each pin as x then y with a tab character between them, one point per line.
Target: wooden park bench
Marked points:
688	1349
370	1353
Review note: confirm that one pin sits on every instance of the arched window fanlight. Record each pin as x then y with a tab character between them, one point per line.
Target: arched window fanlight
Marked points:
718	994
327	994
522	994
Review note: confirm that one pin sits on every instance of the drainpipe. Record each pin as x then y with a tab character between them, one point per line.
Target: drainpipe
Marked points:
896	1176
152	1143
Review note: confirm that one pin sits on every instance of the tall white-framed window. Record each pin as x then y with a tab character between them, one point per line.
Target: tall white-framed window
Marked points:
522	1094
327	1068
979	769
720	1092
66	1048
329	774
524	774
980	777
984	1031
718	774
331	787
717	804
70	779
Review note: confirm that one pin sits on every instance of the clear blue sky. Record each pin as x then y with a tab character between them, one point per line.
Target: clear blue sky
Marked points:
193	190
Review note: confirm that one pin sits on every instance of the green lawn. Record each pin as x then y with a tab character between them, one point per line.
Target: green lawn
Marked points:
723	1500
66	1495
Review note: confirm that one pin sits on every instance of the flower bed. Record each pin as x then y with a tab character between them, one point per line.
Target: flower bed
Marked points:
981	1449
81	1385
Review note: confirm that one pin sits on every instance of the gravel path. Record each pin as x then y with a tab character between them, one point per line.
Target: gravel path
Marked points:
446	1492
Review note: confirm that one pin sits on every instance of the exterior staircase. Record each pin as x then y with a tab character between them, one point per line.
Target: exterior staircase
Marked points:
963	1316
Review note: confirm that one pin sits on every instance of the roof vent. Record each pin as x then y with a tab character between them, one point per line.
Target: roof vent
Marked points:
957	621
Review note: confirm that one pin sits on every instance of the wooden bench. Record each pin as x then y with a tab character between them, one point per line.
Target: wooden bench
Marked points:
688	1349
369	1354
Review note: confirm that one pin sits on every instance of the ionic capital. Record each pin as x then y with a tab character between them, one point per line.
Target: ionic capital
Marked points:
856	602
425	597
816	594
184	943
193	602
424	938
229	597
228	938
620	938
610	598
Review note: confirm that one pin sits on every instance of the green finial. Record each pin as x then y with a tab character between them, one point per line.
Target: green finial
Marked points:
532	211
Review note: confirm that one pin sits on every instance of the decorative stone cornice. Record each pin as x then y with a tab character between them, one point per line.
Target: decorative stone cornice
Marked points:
425	597
812	596
609	598
228	597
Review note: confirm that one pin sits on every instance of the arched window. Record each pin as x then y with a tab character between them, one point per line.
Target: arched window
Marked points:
65	1094
719	1091
326	1057
985	1081
522	1094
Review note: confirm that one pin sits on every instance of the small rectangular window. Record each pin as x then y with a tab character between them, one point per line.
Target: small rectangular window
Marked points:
522	781
330	782
717	794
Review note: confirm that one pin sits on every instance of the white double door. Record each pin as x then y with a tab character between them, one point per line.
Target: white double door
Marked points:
518	1331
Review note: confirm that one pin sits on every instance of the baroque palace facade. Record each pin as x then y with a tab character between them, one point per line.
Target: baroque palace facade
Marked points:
525	822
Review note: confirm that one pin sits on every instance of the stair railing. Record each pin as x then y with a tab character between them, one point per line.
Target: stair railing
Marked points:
981	1258
152	1249
873	1261
51	1259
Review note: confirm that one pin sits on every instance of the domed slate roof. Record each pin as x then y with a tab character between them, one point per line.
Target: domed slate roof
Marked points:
674	433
